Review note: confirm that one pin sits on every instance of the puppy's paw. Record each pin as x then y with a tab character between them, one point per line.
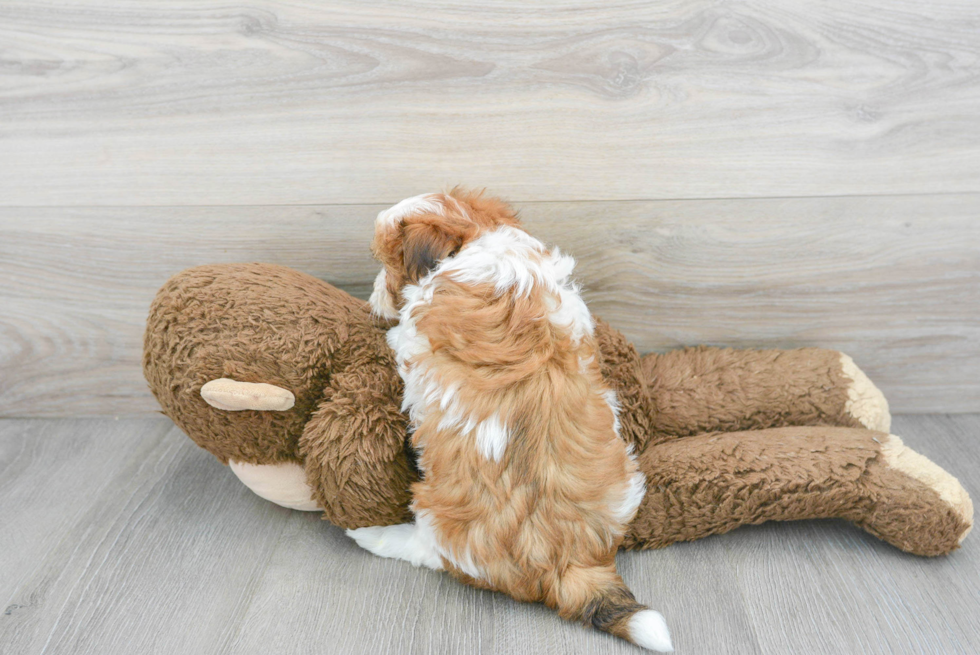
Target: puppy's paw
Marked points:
382	540
397	542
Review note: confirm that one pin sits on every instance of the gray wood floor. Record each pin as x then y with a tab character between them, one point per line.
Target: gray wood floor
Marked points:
120	536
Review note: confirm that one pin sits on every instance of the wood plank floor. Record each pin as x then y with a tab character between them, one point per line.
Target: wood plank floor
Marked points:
120	536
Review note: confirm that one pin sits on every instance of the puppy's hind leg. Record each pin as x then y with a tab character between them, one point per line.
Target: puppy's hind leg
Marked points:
407	541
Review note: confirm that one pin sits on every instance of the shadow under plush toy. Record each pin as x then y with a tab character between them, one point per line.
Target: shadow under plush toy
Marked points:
290	381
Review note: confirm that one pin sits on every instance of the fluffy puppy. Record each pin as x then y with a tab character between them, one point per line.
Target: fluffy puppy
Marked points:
526	486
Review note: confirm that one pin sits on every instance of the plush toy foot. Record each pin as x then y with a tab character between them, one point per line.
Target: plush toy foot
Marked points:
283	484
713	483
865	402
235	396
946	510
405	541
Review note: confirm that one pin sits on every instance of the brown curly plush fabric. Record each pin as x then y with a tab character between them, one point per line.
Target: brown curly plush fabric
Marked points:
771	388
712	483
711	425
252	324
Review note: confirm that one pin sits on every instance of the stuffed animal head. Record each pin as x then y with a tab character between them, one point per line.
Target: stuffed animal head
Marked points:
412	237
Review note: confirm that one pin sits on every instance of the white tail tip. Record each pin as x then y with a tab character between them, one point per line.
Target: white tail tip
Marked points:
649	630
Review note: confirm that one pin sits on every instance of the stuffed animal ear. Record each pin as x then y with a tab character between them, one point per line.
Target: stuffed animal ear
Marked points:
423	246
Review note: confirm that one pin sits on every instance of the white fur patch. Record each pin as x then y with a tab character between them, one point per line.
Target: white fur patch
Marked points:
507	257
427	203
613	401
511	259
453	419
382	304
408	343
492	437
571	314
283	484
405	541
865	402
648	629
422	387
625	508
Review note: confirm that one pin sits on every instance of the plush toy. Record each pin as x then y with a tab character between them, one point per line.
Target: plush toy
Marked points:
290	381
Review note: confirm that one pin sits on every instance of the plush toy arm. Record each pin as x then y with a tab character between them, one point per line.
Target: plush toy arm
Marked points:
354	447
698	390
713	483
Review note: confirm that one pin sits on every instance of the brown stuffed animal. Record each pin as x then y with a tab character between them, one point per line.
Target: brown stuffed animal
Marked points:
290	381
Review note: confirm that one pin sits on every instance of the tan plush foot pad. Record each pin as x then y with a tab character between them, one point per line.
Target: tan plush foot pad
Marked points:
865	402
283	484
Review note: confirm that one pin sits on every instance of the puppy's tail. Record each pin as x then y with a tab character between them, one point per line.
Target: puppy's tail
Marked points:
610	606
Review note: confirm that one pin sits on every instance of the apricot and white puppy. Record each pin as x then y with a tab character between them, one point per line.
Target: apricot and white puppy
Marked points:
526	486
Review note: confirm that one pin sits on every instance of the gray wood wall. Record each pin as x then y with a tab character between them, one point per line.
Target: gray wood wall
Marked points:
736	173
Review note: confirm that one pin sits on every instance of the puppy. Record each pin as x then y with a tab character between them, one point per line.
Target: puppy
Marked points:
526	486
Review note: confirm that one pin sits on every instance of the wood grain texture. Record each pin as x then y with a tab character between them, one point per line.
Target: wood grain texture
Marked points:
893	281
863	596
205	102
122	537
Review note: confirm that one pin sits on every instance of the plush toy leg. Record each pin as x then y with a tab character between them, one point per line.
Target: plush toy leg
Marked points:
698	390
713	483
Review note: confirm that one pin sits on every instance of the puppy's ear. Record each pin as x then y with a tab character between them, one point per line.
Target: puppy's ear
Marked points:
424	246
